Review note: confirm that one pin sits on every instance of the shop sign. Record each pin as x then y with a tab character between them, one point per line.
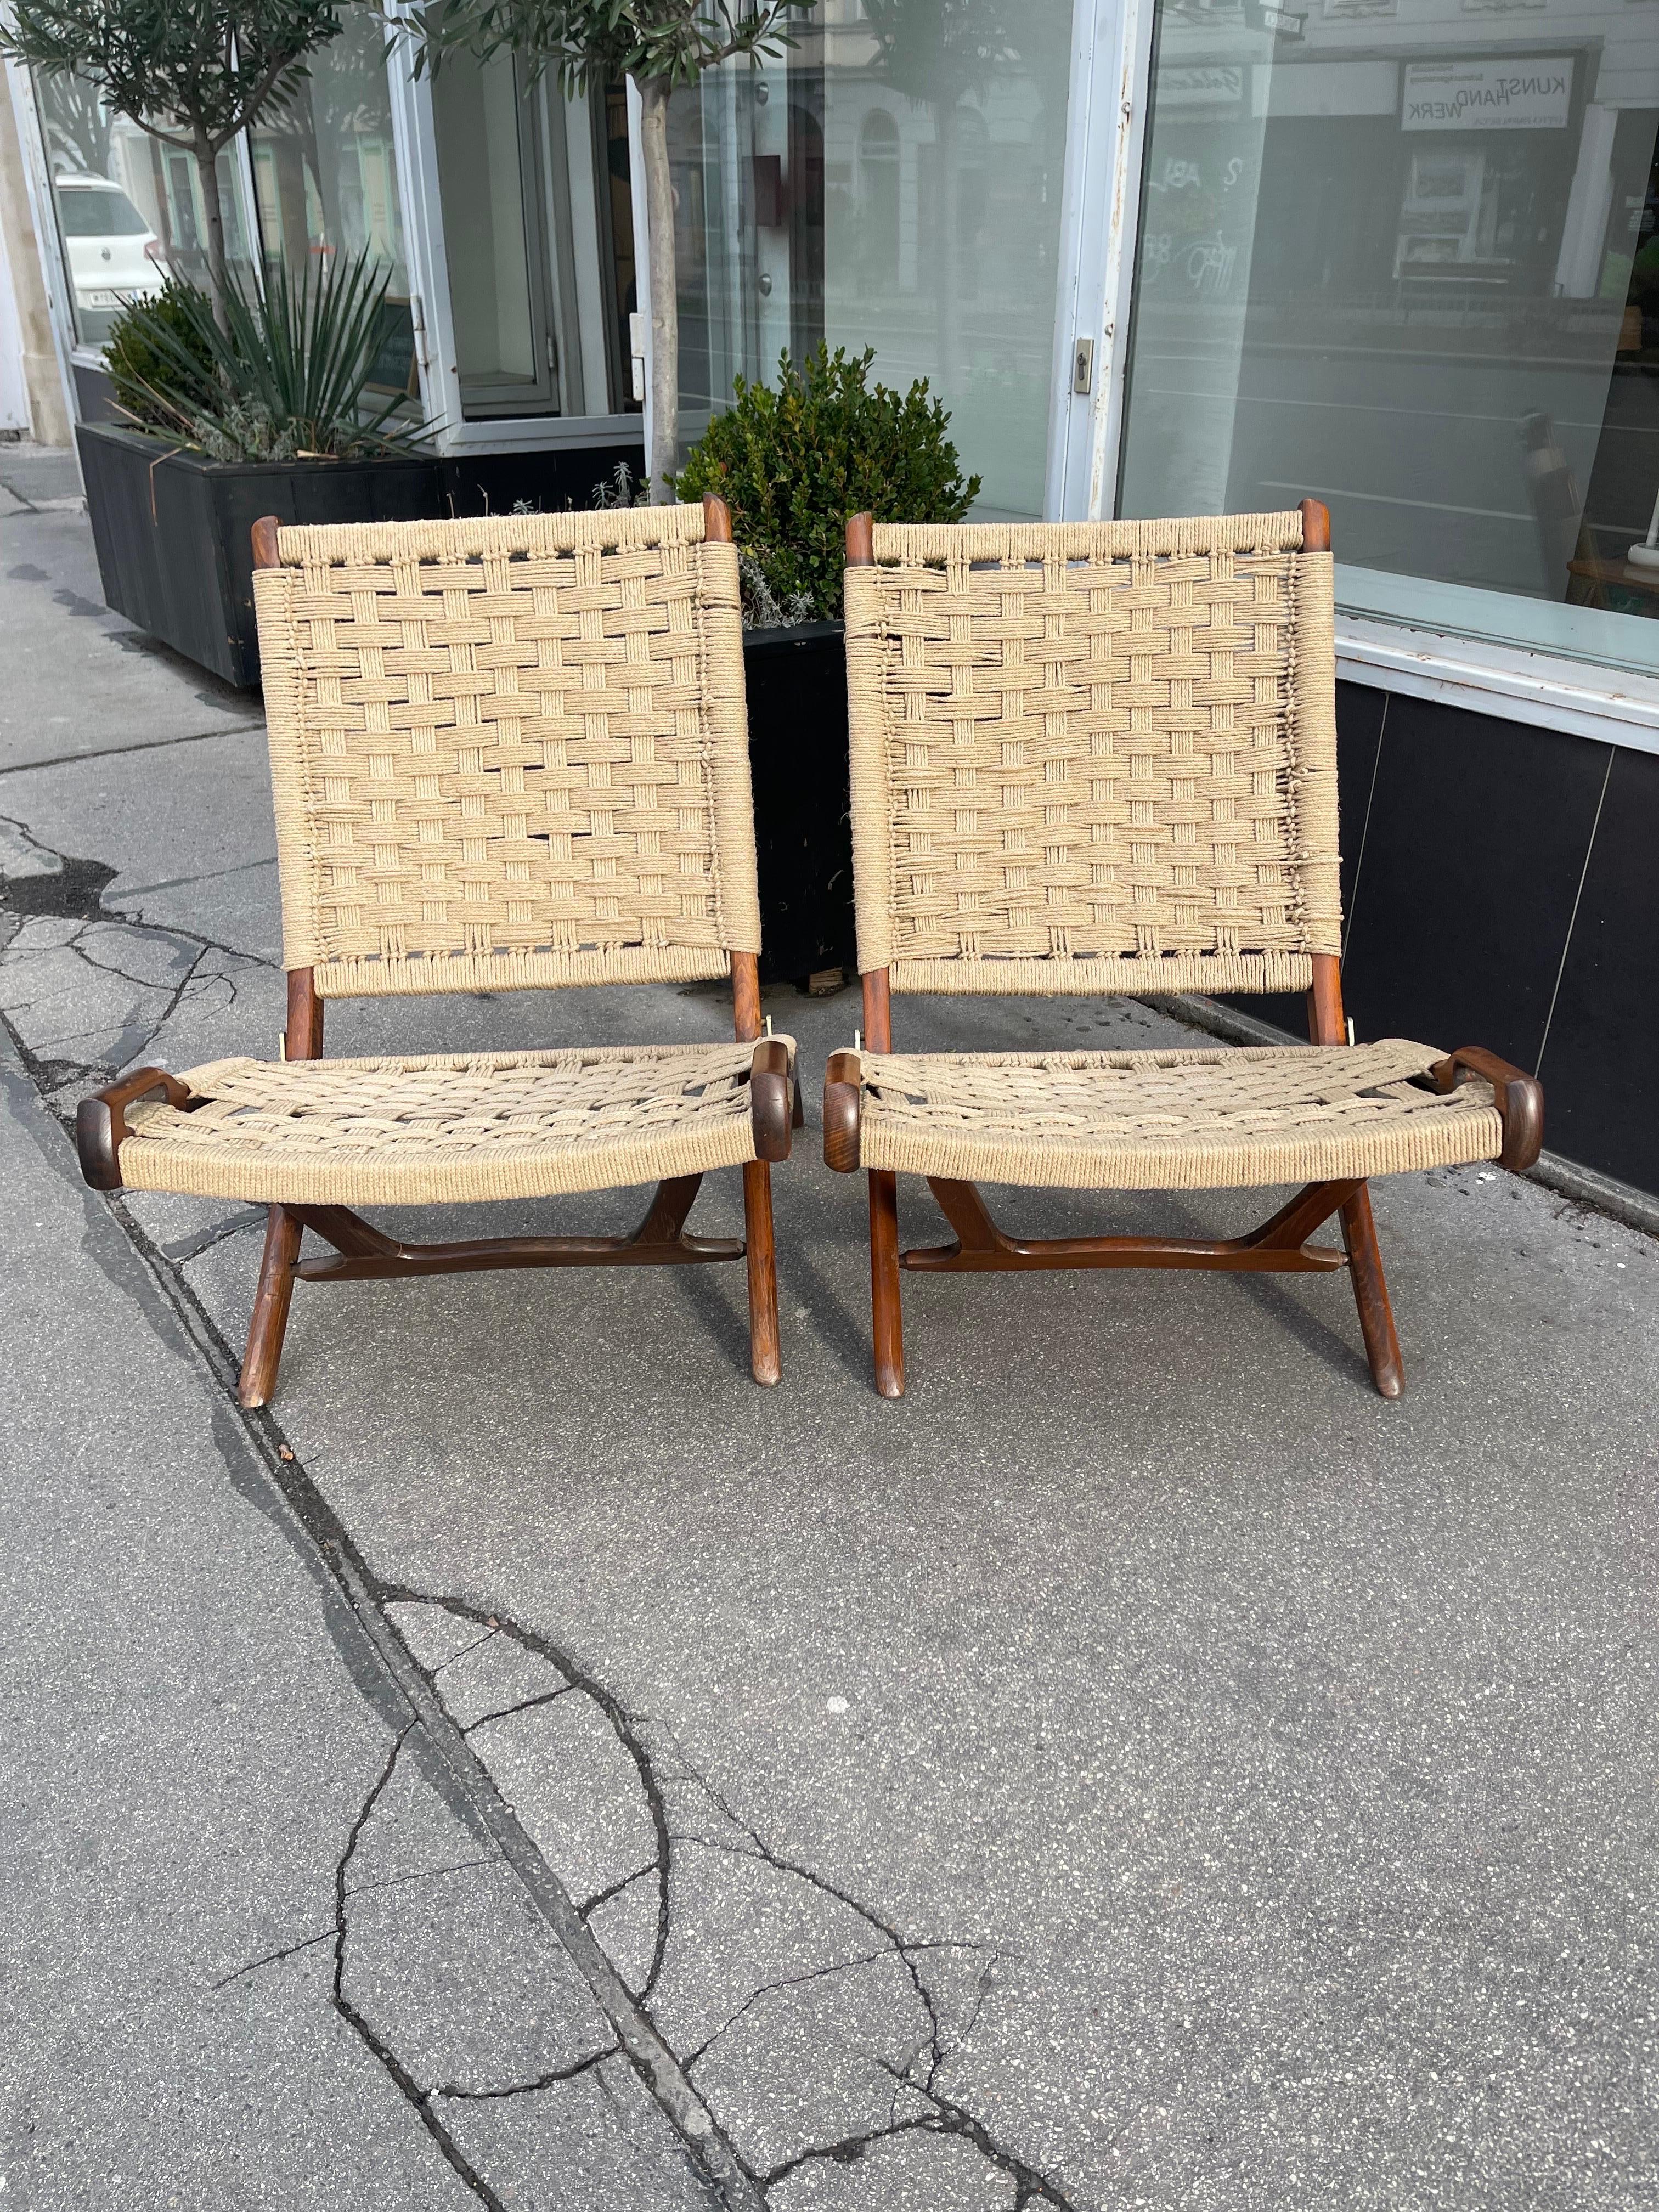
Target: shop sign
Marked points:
1487	95
1204	85
1279	20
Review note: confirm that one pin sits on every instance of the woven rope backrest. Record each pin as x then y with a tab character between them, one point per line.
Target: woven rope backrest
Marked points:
1094	757
510	751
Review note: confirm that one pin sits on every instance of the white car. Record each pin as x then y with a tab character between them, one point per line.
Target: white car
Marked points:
113	254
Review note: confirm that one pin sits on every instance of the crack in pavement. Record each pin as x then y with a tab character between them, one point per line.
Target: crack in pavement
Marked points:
947	2117
621	1723
424	1715
326	1935
115	752
904	1950
420	2099
184	883
184	1249
526	1705
617	1888
142	1024
548	2080
492	1632
424	1719
771	1988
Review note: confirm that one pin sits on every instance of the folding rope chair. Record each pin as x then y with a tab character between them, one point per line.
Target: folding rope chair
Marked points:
1102	758
505	753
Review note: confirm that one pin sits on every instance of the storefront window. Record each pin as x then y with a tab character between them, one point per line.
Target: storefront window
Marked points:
129	206
325	177
894	181
1400	255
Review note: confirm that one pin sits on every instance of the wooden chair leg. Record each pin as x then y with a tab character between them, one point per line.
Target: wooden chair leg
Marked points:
765	1353
1371	1294
887	1321
270	1304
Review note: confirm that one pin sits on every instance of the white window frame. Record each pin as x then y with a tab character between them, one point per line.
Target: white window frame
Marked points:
43	213
1111	92
414	142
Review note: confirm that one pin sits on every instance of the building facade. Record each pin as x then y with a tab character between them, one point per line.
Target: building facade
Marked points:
1402	255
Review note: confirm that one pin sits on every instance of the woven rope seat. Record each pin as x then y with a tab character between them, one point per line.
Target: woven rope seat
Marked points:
1169	1120
447	1127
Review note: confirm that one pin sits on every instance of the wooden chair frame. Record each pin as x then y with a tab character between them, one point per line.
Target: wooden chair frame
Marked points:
361	1252
1279	1245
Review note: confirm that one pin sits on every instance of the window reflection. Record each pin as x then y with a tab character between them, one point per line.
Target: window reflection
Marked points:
325	179
129	206
509	162
1394	256
894	182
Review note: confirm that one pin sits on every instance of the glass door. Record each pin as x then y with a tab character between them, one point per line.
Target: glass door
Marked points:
503	182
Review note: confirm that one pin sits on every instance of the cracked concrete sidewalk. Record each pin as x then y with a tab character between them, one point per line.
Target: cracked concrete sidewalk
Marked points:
534	1767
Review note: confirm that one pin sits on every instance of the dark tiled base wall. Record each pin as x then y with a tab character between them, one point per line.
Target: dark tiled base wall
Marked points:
1501	887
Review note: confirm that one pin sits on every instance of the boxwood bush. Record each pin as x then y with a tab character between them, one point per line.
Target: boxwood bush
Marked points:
140	368
793	463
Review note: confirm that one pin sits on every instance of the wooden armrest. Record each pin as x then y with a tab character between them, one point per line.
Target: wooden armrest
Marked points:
843	1091
771	1088
100	1122
1519	1099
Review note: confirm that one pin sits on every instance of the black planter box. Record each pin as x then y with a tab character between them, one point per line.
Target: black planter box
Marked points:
172	530
796	680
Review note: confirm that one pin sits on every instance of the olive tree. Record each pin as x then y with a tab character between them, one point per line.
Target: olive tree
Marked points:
190	72
660	45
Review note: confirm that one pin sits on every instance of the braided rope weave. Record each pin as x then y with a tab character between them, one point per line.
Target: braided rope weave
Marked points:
442	1128
507	752
1094	757
1169	1120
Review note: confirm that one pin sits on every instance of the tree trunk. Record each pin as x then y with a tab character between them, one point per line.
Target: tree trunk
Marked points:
664	458
207	171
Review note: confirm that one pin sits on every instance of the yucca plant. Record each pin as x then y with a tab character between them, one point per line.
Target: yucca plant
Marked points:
285	379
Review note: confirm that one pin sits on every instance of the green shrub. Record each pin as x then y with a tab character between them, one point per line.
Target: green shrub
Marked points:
793	464
137	368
